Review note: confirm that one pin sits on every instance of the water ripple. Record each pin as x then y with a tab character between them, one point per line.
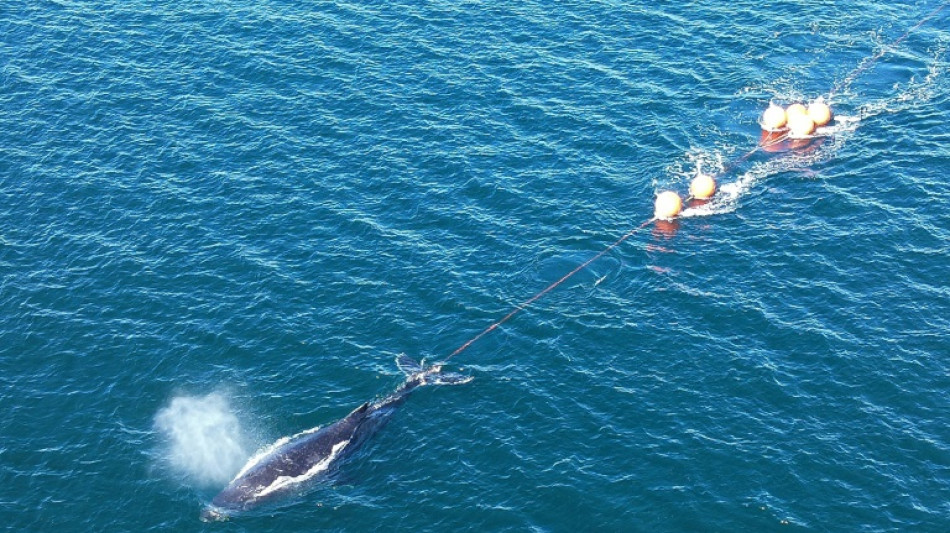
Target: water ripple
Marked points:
273	199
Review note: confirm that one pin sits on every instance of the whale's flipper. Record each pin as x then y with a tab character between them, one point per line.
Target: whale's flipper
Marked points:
408	365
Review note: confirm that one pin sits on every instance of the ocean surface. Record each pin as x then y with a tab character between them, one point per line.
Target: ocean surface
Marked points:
221	221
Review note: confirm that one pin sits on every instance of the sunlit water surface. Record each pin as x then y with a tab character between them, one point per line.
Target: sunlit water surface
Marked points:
221	221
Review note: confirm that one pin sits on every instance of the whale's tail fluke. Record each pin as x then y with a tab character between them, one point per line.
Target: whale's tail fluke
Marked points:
432	375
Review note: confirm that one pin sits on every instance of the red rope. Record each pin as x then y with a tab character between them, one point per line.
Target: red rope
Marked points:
870	61
549	288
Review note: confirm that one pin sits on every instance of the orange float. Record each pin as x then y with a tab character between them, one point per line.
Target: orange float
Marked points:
773	118
819	112
800	125
795	109
702	187
668	204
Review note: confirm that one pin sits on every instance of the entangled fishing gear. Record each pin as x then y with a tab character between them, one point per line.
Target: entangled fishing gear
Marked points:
668	204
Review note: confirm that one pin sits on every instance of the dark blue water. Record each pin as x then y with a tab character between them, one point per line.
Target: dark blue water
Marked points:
221	221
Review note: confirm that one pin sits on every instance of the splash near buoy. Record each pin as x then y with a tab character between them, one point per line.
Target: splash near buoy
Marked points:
702	187
668	204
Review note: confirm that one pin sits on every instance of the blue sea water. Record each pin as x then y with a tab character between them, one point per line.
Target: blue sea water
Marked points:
221	221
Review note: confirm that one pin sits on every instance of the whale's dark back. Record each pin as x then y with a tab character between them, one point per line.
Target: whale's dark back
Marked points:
322	449
319	451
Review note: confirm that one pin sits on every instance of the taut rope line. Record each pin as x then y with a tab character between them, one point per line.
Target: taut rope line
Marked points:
524	305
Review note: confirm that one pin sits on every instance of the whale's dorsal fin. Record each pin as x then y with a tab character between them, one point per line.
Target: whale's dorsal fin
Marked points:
408	365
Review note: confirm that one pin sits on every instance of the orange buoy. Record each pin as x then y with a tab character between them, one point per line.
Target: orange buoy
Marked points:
819	112
668	205
800	125
773	118
702	187
795	109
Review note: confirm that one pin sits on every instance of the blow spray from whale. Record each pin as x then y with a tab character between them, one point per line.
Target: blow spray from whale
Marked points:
292	461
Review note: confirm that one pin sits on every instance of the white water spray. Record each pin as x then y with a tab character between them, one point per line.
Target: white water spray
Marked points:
203	438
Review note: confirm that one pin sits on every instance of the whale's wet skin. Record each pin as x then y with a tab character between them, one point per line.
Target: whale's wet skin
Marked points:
289	462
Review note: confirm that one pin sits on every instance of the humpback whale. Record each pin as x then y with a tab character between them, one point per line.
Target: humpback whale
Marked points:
290	461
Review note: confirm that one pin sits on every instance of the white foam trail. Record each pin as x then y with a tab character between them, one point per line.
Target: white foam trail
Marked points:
730	193
913	93
204	439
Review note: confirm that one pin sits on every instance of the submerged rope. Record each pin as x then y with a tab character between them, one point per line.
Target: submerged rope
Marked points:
867	63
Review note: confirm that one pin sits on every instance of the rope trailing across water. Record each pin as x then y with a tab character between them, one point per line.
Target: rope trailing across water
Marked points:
865	65
524	305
